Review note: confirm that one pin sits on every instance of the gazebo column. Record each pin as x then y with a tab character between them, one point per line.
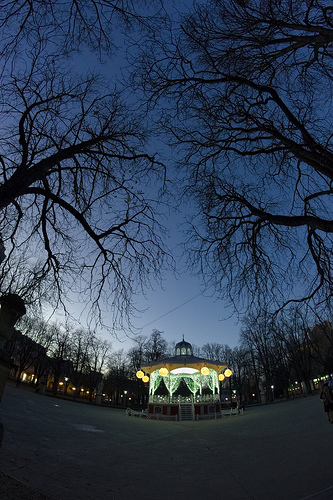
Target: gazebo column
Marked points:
169	388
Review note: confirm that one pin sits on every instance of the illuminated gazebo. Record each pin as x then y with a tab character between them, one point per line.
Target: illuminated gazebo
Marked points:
184	386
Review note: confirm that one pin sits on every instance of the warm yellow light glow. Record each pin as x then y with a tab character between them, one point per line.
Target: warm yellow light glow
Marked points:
82	390
204	370
228	373
221	377
164	372
145	378
140	374
61	383
73	388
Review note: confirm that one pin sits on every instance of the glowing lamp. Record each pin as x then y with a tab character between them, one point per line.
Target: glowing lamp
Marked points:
228	373
145	378
164	372
205	370
221	377
140	374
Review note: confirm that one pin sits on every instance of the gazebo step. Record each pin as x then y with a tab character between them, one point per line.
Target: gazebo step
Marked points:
186	412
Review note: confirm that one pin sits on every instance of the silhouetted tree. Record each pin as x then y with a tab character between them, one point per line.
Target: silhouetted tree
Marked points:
257	337
244	90
60	354
216	351
29	345
136	354
117	376
98	354
77	183
320	344
79	345
293	332
241	373
155	347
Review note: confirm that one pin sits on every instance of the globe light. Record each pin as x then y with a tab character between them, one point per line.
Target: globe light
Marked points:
140	374
205	370
221	377
164	372
228	372
145	378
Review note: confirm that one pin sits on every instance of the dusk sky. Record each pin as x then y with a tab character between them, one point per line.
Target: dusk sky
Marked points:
183	307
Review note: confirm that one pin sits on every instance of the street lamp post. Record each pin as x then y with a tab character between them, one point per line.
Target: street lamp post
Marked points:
66	384
272	387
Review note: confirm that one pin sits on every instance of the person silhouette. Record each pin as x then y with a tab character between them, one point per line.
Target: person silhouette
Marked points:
327	397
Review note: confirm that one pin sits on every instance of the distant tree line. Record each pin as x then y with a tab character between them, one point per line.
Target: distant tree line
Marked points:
55	352
241	93
277	356
274	358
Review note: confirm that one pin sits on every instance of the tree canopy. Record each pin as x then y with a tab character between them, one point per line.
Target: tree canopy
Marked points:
79	187
244	90
240	90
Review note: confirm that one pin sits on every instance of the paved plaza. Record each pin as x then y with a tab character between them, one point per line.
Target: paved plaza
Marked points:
66	451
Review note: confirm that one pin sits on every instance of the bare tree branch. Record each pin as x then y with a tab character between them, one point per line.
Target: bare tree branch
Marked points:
244	90
80	189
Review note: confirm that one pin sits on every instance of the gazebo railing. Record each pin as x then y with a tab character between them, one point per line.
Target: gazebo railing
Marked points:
165	399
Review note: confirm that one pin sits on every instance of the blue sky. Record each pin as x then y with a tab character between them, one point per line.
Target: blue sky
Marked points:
182	309
182	306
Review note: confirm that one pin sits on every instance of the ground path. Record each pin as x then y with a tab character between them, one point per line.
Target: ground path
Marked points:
69	451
